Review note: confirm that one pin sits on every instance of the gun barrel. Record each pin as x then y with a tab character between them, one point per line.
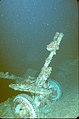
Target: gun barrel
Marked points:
46	70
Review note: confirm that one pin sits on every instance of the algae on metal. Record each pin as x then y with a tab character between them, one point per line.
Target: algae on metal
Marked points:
42	89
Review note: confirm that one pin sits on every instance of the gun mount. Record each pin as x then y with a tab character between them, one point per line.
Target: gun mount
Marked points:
40	87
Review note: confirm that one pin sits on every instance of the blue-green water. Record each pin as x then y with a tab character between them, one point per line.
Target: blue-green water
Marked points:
26	27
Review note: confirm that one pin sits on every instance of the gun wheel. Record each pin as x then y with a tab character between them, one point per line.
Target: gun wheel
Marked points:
55	90
24	107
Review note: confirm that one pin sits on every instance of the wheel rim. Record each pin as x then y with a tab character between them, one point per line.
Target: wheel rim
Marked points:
55	91
23	108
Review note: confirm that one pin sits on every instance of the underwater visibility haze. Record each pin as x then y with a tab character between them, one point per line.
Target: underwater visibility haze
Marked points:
26	28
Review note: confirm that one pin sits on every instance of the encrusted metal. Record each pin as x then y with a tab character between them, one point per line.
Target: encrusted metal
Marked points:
40	87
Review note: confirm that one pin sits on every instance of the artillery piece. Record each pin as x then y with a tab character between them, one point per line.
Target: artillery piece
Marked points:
41	87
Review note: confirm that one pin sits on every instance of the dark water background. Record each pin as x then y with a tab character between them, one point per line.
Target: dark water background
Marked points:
26	27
